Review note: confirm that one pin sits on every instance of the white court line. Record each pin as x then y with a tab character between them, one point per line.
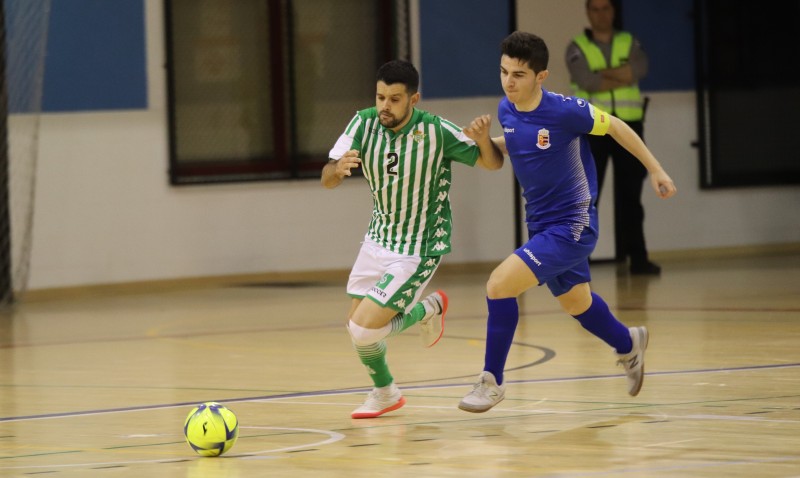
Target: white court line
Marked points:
668	443
332	437
335	436
545	411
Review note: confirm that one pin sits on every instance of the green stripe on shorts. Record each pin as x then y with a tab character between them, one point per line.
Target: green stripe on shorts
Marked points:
405	293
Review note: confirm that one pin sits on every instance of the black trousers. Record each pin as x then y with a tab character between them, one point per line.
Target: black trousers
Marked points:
629	176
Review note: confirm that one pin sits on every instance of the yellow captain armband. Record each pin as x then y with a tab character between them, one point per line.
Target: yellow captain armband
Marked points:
602	121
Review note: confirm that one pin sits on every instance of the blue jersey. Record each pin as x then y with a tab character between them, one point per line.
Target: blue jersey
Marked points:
552	160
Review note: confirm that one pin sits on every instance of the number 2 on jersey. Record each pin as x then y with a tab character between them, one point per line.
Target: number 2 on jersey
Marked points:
392	159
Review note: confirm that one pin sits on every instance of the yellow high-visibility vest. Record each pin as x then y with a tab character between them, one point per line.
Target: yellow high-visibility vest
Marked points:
626	102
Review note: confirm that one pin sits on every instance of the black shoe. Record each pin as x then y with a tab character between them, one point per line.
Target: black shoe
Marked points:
645	268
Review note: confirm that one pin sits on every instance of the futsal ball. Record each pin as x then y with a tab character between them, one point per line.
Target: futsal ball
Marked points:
211	429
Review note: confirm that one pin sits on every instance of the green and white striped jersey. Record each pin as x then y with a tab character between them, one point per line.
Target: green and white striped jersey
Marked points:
409	175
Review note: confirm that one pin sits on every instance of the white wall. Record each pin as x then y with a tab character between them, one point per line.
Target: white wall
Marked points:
105	213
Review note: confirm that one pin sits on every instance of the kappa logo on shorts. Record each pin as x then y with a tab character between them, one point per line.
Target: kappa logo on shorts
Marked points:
400	303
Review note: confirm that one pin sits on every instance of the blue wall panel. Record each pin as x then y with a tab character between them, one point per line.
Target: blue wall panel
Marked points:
461	47
95	56
666	30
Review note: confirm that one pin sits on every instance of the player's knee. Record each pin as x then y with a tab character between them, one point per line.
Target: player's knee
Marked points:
365	336
574	308
577	300
497	287
493	287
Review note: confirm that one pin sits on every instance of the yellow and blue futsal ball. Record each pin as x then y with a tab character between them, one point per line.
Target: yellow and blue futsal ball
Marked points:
211	429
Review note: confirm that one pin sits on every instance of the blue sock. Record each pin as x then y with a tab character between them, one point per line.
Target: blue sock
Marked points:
599	320
500	328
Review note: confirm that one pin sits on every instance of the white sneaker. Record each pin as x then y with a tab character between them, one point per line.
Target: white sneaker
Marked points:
379	401
484	395
432	328
633	361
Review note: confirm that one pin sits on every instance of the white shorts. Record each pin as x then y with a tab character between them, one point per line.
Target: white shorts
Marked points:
390	279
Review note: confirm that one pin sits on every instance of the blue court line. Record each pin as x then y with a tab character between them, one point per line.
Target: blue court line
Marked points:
346	391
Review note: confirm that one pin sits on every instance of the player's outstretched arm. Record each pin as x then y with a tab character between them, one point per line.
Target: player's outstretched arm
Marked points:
628	139
335	171
478	130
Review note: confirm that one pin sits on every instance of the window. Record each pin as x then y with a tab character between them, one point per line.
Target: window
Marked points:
261	89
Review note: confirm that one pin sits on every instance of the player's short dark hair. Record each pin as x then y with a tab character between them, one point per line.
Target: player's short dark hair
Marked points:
399	71
528	48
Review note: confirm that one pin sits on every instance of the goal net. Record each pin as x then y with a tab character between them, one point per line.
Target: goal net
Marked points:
23	33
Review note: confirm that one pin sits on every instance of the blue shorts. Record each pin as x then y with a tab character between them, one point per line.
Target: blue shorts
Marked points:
558	258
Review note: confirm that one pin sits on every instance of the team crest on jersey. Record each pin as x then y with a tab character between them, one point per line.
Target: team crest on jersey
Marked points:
418	136
543	142
385	280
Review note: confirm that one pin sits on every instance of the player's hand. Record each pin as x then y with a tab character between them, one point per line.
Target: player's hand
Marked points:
663	185
347	162
479	128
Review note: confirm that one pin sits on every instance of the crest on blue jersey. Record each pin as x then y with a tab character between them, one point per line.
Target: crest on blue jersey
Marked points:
543	141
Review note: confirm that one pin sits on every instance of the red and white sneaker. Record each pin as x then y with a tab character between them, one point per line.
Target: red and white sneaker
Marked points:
379	401
432	327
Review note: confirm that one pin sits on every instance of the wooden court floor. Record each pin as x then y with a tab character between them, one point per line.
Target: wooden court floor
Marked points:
98	385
